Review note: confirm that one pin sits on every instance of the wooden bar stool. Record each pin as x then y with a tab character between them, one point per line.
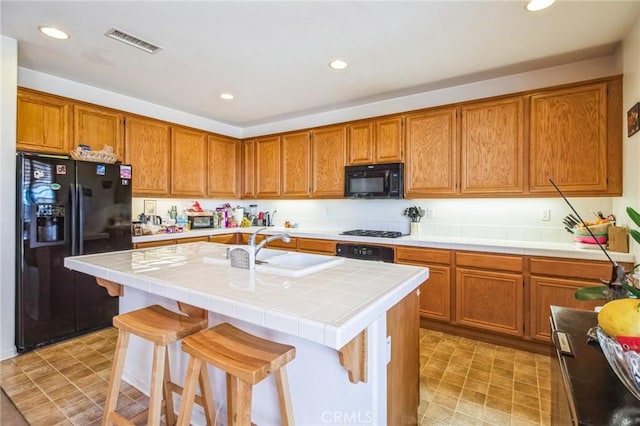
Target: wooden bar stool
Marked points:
162	327
246	360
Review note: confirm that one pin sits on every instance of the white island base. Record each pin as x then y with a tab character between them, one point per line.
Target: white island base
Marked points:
321	392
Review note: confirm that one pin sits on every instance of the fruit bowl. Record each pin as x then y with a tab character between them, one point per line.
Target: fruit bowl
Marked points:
599	230
602	239
626	364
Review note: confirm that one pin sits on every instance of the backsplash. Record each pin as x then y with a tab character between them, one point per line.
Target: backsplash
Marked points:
504	219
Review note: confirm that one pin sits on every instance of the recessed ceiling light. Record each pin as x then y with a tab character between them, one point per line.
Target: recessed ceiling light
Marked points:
338	64
536	5
54	32
226	96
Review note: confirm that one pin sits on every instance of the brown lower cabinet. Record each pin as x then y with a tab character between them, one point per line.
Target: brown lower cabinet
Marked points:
148	244
435	293
204	239
220	238
489	292
280	244
310	245
224	238
500	298
554	281
490	300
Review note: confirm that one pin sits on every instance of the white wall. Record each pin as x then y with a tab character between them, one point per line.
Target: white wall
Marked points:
631	146
569	73
8	82
71	89
506	219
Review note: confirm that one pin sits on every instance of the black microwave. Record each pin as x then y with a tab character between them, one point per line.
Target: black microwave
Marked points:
374	181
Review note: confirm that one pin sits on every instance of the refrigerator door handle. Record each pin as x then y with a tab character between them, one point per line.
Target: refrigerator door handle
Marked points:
80	220
74	220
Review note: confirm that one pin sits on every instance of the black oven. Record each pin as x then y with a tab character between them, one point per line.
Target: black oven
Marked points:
365	252
374	181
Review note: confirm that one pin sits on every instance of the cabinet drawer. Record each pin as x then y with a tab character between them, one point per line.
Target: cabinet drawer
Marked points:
223	238
317	246
422	255
292	245
568	268
193	240
490	261
148	244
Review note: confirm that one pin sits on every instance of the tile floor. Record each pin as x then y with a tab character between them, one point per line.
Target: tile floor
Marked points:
462	382
66	383
467	382
9	414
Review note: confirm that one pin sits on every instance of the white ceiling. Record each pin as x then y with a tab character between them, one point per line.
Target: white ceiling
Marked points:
273	56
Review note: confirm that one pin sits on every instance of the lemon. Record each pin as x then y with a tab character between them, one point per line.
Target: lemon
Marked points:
620	317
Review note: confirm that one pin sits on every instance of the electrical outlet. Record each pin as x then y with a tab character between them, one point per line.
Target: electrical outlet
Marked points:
545	215
429	213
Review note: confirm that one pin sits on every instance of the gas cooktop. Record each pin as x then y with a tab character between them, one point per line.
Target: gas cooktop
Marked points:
371	233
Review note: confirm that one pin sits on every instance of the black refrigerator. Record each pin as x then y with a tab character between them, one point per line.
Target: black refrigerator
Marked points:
65	208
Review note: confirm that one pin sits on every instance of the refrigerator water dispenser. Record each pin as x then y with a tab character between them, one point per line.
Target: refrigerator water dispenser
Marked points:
50	223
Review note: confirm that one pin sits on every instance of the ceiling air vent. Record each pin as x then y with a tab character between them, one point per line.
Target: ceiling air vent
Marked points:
131	40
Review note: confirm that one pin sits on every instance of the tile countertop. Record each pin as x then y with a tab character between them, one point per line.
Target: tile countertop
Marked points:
329	307
530	248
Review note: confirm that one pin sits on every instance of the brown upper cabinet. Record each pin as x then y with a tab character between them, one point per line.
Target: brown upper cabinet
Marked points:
507	146
389	146
188	162
296	165
492	147
43	123
268	167
431	166
248	169
375	141
360	146
570	141
97	128
223	155
328	158
148	150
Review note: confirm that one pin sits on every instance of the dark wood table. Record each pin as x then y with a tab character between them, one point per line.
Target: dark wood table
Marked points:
585	390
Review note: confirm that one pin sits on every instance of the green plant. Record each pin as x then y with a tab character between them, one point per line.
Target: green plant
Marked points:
620	284
414	213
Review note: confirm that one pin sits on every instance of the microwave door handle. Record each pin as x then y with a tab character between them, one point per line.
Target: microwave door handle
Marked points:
385	183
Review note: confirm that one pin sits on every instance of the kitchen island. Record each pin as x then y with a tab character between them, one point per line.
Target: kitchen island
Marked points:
354	326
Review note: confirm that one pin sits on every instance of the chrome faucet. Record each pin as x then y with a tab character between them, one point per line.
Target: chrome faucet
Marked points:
284	237
252	238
